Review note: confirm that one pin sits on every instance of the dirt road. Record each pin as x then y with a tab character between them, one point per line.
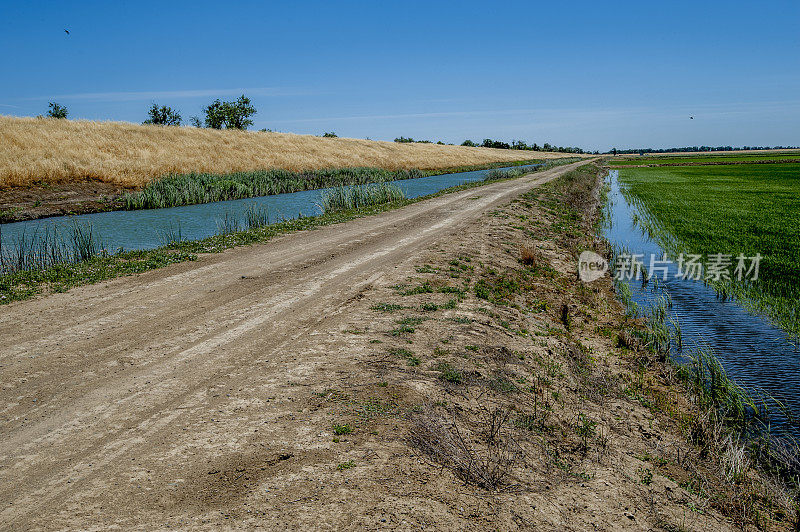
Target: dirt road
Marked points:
117	396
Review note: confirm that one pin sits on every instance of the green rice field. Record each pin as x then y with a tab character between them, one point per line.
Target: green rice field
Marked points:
704	159
729	209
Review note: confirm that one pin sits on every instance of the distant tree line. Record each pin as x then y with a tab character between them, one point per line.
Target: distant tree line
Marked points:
689	149
522	145
499	144
409	139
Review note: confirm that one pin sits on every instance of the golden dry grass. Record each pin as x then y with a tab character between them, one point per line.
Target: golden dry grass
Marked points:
60	151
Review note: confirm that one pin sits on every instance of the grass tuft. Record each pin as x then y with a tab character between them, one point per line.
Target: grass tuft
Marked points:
345	198
450	374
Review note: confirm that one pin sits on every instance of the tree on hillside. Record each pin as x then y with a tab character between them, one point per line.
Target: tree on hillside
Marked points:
215	115
230	115
489	143
519	145
330	135
56	110
469	143
163	116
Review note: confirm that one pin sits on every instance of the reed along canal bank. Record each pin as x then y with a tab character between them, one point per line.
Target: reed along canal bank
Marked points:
62	252
41	199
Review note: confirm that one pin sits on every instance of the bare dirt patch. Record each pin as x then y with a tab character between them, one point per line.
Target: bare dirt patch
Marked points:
42	201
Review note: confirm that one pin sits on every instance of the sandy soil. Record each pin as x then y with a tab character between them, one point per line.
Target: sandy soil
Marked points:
205	395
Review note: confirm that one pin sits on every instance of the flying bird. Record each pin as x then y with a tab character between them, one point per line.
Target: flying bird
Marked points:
66	31
691	118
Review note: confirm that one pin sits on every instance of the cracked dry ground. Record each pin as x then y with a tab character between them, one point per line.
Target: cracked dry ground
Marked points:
470	383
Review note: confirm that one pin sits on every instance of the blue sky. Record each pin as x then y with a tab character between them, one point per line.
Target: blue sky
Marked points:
590	74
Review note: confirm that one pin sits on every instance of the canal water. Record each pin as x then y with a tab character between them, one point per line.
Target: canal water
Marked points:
757	355
146	229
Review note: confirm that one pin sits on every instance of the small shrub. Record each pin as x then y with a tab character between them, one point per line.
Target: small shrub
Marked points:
450	374
341	430
482	290
503	385
451	290
645	475
585	428
487	464
387	307
527	256
408	355
56	111
451	304
424	288
526	421
403	329
346	465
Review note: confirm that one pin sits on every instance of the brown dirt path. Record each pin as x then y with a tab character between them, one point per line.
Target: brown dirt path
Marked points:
118	383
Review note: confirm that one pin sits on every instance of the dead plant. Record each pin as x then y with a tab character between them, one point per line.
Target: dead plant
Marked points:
488	463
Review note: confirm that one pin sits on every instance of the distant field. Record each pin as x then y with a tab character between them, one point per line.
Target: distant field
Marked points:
731	209
696	159
63	151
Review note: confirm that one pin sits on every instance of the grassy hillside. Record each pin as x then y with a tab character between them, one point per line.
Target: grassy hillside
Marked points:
62	151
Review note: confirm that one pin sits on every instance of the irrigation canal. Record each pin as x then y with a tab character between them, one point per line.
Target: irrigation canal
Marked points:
147	229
